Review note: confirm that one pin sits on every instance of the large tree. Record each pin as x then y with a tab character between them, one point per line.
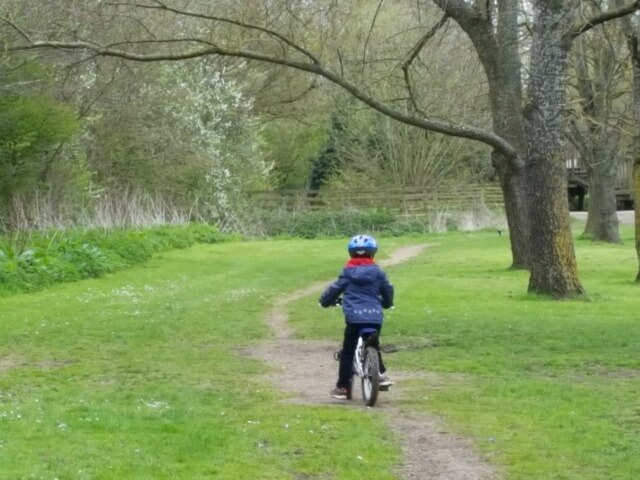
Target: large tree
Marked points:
526	141
596	129
632	32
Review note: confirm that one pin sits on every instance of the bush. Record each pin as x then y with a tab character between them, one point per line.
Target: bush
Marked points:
34	260
312	224
319	223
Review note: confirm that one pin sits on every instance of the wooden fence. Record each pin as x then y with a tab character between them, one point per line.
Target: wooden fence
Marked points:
409	201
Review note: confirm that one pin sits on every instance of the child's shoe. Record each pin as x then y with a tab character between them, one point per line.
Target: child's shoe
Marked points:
385	381
340	393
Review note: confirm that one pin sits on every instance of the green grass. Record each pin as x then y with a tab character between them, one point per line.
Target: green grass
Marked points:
546	389
138	375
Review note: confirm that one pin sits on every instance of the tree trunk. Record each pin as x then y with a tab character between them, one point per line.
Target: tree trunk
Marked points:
600	142
603	217
635	51
633	41
636	201
555	270
592	208
498	52
636	141
516	208
505	84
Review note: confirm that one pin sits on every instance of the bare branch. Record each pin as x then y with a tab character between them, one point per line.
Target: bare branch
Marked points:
455	7
603	17
162	6
294	98
415	51
12	24
448	128
366	42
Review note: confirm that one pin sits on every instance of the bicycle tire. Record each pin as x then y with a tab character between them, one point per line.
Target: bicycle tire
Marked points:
370	377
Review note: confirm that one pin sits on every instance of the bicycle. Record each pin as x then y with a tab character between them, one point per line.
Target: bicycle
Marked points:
366	366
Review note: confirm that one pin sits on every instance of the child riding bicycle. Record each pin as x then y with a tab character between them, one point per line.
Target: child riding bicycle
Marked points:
365	291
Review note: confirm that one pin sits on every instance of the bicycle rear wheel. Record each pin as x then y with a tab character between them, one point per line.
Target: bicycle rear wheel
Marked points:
370	377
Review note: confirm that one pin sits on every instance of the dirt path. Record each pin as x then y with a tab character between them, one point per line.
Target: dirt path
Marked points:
306	369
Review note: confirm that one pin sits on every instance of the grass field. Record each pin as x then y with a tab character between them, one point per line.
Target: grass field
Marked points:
547	389
138	375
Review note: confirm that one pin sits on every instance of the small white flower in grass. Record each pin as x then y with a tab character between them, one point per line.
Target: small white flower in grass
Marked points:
155	404
360	457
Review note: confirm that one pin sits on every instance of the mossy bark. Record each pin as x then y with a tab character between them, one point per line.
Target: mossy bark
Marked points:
554	271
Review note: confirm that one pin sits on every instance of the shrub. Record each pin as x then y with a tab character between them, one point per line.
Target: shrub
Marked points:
312	224
319	223
32	261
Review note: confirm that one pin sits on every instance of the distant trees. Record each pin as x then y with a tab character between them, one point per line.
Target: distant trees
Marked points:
187	134
34	127
185	131
600	113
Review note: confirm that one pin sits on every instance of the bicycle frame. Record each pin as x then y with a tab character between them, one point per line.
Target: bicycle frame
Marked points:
358	358
366	366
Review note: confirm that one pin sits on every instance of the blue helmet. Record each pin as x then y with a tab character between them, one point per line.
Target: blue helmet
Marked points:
363	245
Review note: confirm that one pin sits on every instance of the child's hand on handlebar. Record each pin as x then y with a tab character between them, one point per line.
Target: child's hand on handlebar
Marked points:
336	302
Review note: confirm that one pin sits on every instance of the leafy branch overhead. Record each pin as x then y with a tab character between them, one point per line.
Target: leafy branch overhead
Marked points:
199	47
457	9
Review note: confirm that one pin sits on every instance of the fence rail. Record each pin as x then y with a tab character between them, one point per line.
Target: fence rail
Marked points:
406	200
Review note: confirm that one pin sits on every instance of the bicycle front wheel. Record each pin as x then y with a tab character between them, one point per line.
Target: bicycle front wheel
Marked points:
370	377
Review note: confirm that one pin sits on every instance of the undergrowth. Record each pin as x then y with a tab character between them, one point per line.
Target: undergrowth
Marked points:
32	260
345	222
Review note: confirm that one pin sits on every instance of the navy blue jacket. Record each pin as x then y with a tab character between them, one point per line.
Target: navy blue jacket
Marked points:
365	291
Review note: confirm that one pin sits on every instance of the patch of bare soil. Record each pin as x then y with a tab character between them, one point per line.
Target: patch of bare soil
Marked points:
307	371
9	363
